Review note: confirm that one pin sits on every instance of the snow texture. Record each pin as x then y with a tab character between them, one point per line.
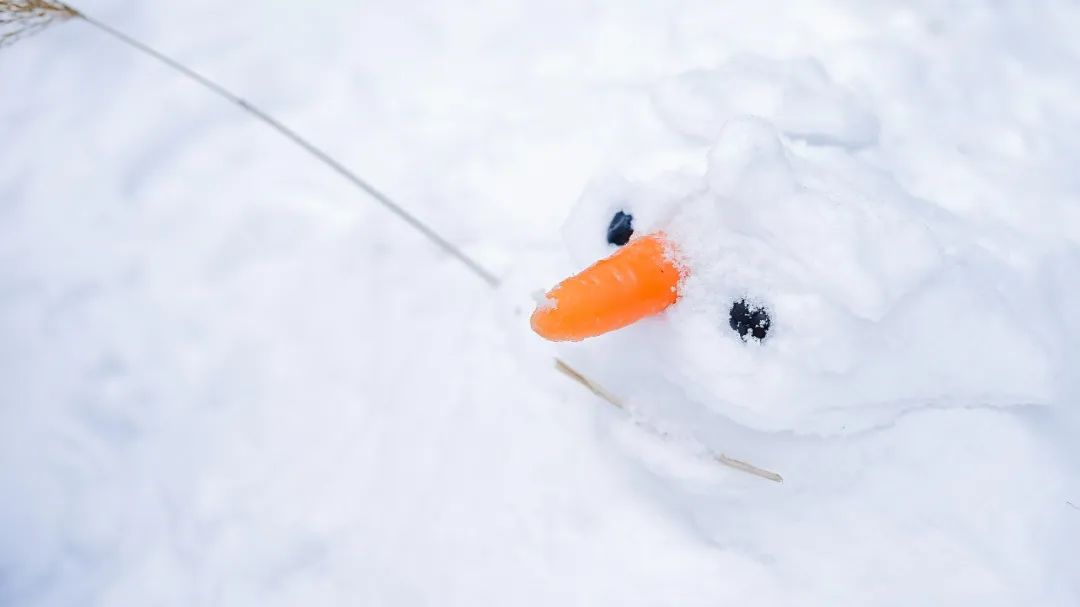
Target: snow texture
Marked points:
226	378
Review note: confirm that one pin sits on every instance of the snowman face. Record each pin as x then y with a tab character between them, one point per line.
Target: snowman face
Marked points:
806	287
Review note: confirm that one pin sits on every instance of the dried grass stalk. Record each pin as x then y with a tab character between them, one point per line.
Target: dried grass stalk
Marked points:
598	390
22	18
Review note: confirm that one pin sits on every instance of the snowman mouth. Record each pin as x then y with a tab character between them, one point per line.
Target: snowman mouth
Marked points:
641	279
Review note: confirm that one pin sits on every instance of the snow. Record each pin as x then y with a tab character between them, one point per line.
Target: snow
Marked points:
868	307
228	378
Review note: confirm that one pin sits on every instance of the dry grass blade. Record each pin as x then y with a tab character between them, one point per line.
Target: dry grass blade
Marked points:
598	390
22	18
593	387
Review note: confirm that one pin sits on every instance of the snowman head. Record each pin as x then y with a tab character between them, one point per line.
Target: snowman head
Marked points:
785	287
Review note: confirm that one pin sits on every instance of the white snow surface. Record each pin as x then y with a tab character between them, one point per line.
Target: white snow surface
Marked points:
227	378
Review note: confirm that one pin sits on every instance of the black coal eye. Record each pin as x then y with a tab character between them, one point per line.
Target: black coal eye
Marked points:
748	319
620	229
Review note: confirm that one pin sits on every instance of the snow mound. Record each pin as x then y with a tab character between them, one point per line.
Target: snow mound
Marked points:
879	301
797	95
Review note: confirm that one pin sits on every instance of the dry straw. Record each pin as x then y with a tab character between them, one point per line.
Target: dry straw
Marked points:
617	402
22	18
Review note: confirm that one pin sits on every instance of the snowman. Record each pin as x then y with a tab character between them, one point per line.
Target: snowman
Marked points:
789	300
798	288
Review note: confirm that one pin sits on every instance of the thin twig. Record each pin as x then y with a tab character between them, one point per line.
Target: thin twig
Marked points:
599	390
738	464
473	265
20	18
593	387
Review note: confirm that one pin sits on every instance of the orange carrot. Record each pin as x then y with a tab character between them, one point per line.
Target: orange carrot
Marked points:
636	281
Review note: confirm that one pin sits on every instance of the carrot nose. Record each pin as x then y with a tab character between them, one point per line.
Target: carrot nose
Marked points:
638	280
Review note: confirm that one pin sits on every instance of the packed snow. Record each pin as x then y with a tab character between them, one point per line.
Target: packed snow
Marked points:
229	379
879	301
